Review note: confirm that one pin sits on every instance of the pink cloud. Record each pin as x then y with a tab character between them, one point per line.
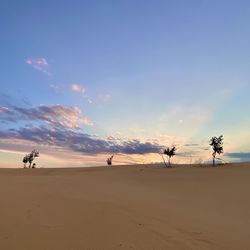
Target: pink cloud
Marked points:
70	117
77	88
85	121
54	115
81	90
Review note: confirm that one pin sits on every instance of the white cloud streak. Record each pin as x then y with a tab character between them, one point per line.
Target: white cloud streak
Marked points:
39	63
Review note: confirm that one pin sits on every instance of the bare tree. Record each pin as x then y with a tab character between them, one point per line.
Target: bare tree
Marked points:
170	152
109	160
29	158
216	143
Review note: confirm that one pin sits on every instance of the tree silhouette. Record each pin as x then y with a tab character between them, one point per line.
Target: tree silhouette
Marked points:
216	143
170	152
29	158
109	160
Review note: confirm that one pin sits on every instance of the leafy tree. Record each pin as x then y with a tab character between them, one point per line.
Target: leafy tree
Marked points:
29	158
170	152
216	143
25	160
109	160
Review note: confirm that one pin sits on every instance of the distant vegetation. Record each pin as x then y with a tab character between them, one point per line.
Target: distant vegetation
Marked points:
109	160
216	143
170	152
29	158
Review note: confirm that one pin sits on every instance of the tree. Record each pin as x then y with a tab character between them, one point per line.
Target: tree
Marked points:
216	143
109	160
29	158
170	152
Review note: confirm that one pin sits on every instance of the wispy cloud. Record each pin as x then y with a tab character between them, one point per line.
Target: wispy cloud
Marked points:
78	88
4	110
105	98
39	63
242	156
54	115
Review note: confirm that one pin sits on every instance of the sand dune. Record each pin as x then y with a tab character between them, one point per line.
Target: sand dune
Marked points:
125	207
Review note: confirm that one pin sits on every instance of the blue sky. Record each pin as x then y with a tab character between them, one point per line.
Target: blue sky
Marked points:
138	74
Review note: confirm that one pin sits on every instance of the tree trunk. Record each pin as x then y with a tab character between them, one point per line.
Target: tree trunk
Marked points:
213	159
169	163
164	161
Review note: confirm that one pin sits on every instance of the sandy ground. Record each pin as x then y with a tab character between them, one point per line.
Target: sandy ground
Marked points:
129	207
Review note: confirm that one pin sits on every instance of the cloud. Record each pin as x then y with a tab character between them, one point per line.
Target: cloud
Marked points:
81	90
78	88
239	155
39	63
58	126
78	141
105	98
53	115
191	145
4	110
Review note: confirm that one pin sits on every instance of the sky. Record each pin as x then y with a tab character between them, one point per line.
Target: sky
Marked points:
82	80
